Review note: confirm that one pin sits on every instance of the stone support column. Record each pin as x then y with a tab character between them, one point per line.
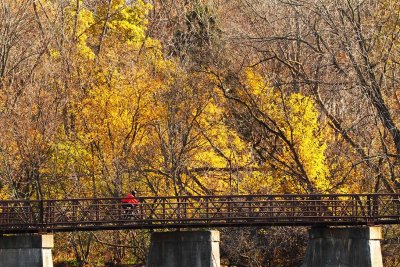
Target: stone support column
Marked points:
26	251
344	247
184	249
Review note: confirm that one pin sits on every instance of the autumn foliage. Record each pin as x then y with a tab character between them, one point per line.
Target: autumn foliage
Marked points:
98	97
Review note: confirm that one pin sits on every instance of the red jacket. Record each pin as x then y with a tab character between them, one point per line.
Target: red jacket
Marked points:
129	198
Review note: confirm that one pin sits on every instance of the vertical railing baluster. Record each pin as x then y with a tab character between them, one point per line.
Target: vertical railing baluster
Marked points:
141	213
292	206
97	207
46	212
41	212
51	211
316	208
7	212
207	208
353	206
181	209
249	212
3	213
270	208
356	208
163	208
40	219
229	207
375	207
178	209
334	204
369	208
185	214
74	210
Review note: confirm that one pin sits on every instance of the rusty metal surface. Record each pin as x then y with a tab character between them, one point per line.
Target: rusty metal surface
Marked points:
19	216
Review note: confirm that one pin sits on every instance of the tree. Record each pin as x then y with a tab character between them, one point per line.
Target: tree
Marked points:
338	53
283	132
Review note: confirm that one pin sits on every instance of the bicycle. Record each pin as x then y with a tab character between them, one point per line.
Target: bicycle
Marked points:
129	212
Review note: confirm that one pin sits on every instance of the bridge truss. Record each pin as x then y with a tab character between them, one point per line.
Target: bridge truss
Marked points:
30	216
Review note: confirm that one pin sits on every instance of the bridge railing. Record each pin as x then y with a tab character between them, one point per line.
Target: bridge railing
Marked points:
199	211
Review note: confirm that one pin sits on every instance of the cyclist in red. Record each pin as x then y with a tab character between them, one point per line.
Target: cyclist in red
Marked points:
129	206
130	201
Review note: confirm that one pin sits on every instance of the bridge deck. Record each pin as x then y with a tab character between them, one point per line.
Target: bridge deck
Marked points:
23	216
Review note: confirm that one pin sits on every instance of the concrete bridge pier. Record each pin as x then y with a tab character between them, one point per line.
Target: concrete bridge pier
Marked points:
26	251
344	247
183	249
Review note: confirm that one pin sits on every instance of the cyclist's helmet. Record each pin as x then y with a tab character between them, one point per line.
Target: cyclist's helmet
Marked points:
133	192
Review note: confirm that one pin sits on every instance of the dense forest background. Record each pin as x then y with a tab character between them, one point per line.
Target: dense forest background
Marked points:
173	97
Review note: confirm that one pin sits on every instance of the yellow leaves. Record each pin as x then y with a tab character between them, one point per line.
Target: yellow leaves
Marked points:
259	92
4	192
81	21
137	109
223	145
255	83
54	53
73	155
119	71
114	111
303	129
256	182
296	118
114	25
130	21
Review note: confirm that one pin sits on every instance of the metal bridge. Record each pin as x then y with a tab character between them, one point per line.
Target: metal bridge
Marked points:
41	216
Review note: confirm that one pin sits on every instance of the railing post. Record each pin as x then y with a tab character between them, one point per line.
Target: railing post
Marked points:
397	205
358	208
270	207
141	215
3	212
184	204
207	208
375	207
97	211
41	221
178	209
292	206
369	209
50	212
41	212
334	206
163	208
250	211
74	211
120	209
229	207
397	201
